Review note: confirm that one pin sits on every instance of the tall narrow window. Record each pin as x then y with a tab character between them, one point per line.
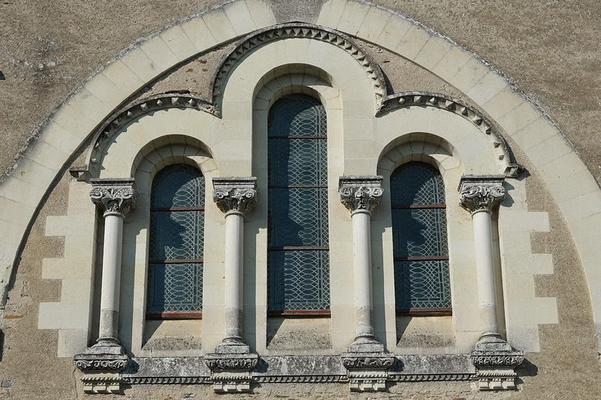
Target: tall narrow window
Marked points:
419	229
298	264
176	244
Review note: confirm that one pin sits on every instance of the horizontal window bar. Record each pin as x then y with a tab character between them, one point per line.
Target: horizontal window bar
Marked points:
424	312
298	137
178	261
165	209
422	258
299	248
175	315
426	206
300	313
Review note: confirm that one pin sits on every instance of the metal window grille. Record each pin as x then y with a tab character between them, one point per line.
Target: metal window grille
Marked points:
176	244
419	229
298	253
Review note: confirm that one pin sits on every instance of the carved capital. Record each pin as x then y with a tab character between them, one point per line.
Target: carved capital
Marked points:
114	195
235	194
102	365
481	193
360	192
231	372
495	361
368	372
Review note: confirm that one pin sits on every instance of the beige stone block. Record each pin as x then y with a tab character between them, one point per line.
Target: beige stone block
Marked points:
86	106
123	78
518	118
502	103
523	220
534	133
159	53
105	90
549	151
141	65
487	87
60	138
240	18
374	23
433	52
21	193
58	225
352	17
63	316
51	157
393	32
412	42
71	342
470	74
261	13
331	12
220	26
178	42
451	63
196	29
76	291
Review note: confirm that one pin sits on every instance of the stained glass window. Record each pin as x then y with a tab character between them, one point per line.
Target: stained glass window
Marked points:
298	257
419	229
176	244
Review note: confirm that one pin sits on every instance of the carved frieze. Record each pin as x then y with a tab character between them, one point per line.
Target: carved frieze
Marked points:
114	195
235	194
360	192
481	193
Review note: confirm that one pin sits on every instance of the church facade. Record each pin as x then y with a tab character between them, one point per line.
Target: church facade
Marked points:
321	200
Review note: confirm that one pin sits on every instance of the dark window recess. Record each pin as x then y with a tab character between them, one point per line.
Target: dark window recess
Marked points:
176	244
298	253
419	226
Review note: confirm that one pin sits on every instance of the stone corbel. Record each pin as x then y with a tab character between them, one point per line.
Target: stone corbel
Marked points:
368	371
495	361
101	366
231	372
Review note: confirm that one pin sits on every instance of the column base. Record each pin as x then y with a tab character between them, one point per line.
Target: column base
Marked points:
231	367
495	361
101	366
367	364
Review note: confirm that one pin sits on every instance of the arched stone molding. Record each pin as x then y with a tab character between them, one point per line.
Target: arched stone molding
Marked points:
519	309
63	137
297	30
315	82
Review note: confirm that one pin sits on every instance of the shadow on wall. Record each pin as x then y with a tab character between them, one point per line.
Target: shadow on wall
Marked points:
2	77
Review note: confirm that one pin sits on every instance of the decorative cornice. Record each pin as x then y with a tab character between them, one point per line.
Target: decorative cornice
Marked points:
101	364
167	380
301	379
481	193
377	361
360	192
444	102
113	195
297	30
235	194
396	377
125	115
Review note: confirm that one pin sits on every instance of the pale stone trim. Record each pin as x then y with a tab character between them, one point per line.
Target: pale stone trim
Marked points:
88	107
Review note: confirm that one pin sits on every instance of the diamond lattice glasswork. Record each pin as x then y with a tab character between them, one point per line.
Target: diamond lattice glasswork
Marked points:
176	243
298	206
420	239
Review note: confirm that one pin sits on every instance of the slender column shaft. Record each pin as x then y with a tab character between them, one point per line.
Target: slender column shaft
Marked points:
234	232
362	273
111	277
480	196
116	198
485	270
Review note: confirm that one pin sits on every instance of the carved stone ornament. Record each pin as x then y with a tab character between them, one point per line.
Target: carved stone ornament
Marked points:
368	372
231	372
360	192
102	365
481	193
495	361
235	194
114	195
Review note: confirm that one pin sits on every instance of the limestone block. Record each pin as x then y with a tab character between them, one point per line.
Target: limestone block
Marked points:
159	53
412	42
197	30
220	26
331	13
487	87
471	72
141	65
549	150
374	23
123	77
105	90
352	17
63	316
432	52
393	32
240	18
261	13
451	63
519	117
178	42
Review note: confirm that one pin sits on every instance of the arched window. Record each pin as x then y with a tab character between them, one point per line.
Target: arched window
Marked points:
298	208
419	229
176	244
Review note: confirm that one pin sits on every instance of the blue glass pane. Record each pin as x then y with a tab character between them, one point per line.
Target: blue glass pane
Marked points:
176	235
174	287
297	162
419	232
422	284
297	115
416	184
298	217
299	280
178	186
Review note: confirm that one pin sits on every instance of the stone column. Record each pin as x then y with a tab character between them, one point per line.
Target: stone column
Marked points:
102	362
366	360
232	361
494	358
